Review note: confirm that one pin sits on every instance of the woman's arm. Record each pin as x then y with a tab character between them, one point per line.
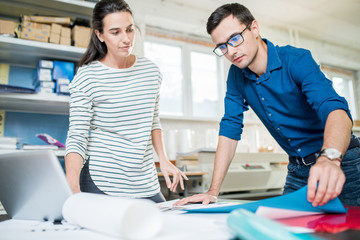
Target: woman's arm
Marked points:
73	165
166	167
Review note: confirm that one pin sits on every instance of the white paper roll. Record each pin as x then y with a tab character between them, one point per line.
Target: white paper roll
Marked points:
126	218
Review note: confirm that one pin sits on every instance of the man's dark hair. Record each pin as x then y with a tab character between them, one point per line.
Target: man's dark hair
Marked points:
236	9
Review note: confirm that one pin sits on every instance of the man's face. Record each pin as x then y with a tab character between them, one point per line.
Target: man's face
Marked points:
244	54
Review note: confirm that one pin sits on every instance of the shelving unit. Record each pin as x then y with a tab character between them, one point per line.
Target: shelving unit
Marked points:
27	53
16	51
35	103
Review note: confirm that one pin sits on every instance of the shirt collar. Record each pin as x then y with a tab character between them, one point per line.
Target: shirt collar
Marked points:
273	63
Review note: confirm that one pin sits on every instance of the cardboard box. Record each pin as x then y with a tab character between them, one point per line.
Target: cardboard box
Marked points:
81	36
38	31
33	25
7	27
65	32
34	36
54	38
56	28
65	41
46	19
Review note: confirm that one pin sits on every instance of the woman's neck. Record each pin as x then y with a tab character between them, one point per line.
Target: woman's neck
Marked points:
125	62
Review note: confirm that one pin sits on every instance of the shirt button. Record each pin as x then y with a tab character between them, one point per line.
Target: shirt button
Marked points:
289	140
269	114
263	99
299	150
278	129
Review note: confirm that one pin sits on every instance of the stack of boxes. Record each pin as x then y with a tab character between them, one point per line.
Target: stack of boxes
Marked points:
44	81
54	77
60	34
46	29
35	31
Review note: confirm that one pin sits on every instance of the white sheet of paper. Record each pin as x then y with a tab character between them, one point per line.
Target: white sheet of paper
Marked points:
278	213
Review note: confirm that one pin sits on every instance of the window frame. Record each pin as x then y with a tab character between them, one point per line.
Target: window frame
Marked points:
187	104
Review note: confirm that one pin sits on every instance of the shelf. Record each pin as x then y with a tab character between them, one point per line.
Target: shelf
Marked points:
58	153
26	52
61	8
35	103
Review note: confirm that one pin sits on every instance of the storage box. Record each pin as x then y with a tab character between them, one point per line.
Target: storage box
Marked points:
81	36
54	38
56	28
46	64
65	32
60	81
40	31
34	25
63	89
65	41
33	35
46	84
63	70
46	19
7	27
44	74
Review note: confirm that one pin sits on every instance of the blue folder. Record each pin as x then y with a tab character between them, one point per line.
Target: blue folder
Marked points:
296	201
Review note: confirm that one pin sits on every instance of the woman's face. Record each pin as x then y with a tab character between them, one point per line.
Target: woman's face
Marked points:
118	34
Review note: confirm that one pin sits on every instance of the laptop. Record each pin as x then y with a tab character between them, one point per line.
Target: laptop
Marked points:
33	185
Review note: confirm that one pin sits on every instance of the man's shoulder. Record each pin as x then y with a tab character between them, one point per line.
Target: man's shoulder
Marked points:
289	50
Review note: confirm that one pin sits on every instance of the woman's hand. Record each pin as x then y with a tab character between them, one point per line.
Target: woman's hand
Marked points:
169	169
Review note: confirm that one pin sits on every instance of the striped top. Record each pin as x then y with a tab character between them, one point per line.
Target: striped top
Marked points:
112	114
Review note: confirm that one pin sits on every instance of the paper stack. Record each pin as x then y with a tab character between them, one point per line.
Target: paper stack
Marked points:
8	143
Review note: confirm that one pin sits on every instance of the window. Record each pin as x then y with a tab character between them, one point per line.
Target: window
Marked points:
168	58
192	85
204	82
343	81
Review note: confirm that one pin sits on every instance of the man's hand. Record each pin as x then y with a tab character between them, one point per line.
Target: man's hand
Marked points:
326	180
204	198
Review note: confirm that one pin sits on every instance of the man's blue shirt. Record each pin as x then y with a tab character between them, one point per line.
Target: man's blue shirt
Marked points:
292	99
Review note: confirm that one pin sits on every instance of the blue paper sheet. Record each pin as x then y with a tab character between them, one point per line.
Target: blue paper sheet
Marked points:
296	201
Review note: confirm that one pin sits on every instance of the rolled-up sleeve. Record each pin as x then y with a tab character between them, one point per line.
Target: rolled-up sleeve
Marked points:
231	124
81	113
319	90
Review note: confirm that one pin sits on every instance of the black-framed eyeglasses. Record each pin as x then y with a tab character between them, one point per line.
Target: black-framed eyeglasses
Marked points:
235	40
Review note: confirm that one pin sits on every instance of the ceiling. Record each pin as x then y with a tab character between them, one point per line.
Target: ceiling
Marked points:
331	20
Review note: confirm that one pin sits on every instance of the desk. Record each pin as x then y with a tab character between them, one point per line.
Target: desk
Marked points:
177	232
190	175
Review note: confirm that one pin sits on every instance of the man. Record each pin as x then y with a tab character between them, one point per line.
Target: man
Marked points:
296	103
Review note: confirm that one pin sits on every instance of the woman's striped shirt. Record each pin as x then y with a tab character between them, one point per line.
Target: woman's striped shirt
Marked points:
112	114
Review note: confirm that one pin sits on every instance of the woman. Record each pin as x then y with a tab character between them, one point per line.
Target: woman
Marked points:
114	114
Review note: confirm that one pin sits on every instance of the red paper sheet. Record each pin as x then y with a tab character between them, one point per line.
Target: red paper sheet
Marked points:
331	223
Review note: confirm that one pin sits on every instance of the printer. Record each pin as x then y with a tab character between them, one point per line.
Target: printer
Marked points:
256	173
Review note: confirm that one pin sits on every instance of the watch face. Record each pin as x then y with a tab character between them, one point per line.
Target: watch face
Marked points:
331	153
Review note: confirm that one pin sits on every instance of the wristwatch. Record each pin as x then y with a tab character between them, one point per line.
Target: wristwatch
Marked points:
332	154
